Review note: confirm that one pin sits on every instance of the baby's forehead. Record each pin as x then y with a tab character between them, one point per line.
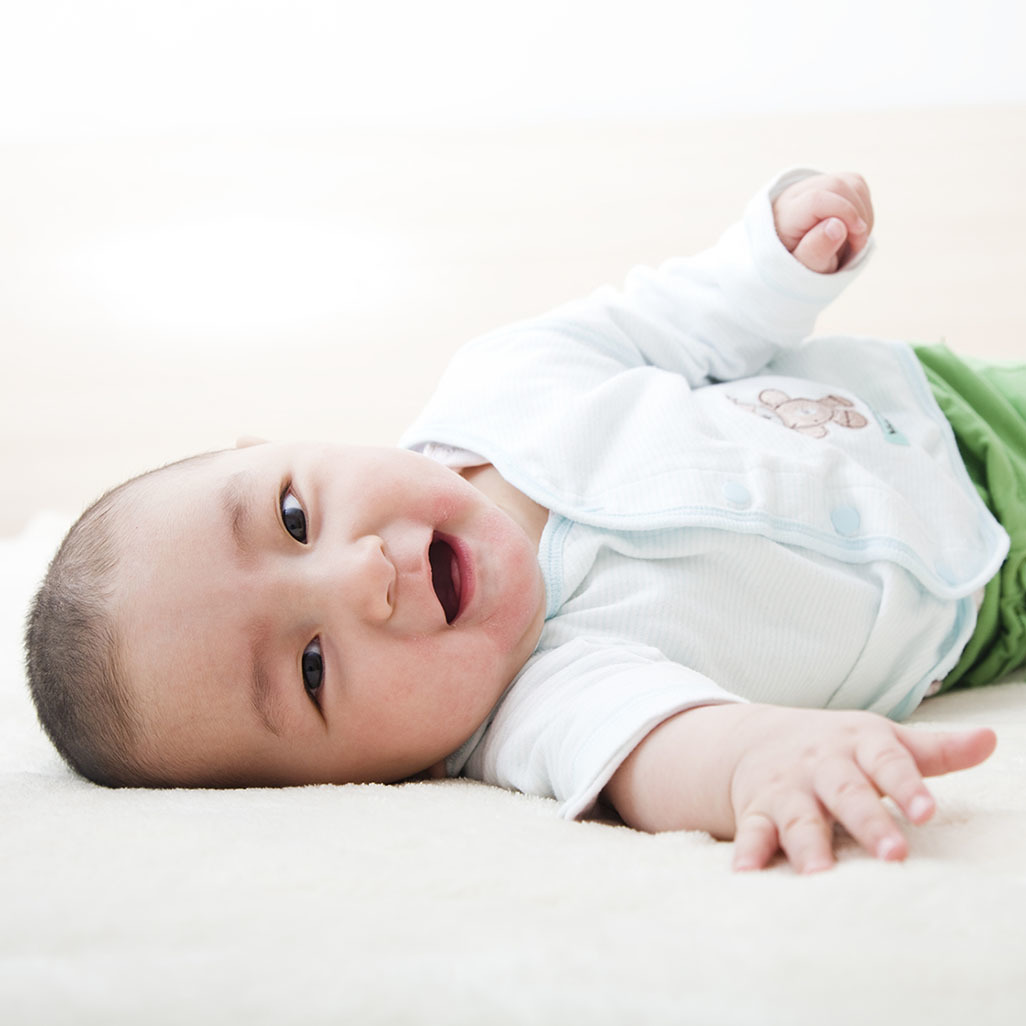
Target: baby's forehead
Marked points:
150	516
204	463
175	543
198	485
213	468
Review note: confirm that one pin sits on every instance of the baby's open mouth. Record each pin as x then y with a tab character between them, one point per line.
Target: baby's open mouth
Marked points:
445	577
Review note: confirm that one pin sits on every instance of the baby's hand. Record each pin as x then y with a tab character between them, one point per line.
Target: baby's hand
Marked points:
825	220
777	779
801	770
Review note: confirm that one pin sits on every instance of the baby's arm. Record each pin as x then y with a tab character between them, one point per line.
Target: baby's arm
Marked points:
776	779
825	221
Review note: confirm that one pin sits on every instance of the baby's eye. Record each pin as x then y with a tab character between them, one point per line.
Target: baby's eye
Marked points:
293	517
313	669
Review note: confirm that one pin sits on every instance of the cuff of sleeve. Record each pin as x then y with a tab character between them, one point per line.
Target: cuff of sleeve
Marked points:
598	757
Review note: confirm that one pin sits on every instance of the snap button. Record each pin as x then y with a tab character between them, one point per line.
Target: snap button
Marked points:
845	520
736	494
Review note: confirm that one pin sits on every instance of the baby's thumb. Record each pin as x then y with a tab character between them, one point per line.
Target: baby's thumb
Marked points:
820	247
948	751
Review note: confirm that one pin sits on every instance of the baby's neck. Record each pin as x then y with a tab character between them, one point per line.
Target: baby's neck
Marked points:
524	511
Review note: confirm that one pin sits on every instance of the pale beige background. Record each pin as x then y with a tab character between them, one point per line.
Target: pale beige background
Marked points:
161	296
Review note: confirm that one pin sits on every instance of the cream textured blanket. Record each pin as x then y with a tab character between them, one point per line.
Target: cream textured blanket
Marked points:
164	296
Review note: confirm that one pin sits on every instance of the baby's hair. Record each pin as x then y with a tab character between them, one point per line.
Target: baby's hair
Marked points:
73	646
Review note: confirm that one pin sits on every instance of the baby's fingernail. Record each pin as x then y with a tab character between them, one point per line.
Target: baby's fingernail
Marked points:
919	808
887	849
817	866
835	229
861	227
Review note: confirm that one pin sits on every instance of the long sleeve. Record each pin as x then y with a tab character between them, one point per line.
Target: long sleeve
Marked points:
575	713
717	316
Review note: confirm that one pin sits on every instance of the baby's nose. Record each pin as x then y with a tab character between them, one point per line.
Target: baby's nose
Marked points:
369	578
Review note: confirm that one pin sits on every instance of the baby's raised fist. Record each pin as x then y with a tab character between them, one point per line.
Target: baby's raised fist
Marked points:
825	221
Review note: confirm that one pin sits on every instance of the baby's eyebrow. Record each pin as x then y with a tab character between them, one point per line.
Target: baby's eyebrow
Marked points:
236	502
262	693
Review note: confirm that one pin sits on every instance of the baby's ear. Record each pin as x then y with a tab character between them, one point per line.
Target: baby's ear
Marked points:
245	441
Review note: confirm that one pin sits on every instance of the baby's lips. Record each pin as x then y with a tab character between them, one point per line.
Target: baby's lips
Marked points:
463	573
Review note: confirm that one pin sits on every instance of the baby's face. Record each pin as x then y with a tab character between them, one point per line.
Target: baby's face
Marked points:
311	614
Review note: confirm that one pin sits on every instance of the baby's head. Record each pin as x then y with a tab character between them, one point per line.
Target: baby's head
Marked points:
281	614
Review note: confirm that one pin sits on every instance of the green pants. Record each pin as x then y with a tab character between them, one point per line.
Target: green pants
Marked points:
986	406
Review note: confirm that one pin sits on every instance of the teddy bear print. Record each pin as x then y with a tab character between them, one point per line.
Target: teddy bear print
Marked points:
806	416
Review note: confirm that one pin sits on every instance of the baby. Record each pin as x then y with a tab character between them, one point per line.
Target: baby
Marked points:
654	549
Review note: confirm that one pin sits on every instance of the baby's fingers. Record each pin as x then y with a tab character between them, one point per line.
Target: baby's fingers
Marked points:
805	209
893	770
843	788
897	765
793	822
823	248
936	753
755	842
